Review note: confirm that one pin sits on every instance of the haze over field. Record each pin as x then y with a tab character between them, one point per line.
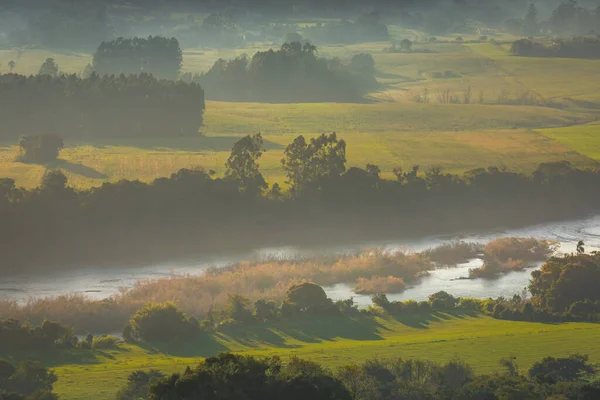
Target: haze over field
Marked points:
265	199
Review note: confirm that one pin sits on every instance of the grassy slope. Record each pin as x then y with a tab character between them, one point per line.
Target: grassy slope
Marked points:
479	340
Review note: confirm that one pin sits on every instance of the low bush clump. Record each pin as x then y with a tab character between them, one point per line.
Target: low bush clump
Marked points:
162	322
379	284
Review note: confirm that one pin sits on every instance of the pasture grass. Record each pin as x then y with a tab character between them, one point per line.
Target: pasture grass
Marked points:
389	130
585	139
88	164
334	341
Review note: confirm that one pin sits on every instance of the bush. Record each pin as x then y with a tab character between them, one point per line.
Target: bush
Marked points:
308	297
138	384
105	342
381	300
424	306
162	322
411	306
442	301
471	304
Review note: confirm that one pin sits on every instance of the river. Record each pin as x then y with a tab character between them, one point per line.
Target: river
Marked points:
101	282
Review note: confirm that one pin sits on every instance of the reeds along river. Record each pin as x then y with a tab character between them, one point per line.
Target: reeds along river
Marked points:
101	282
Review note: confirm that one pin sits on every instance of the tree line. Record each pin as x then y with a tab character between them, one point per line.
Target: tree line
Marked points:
577	47
294	73
160	219
155	55
230	376
98	106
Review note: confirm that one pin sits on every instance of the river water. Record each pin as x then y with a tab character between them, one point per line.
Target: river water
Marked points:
102	282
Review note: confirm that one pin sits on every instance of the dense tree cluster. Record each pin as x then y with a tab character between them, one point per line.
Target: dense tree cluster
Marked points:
154	55
15	336
40	148
230	376
567	285
167	323
577	47
563	289
164	218
292	74
29	380
108	106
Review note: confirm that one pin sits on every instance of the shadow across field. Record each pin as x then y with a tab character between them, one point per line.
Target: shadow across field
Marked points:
178	143
77	169
306	330
423	320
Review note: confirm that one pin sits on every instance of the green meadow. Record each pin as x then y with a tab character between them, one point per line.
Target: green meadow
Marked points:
334	341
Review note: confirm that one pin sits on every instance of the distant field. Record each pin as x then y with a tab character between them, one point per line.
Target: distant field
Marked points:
478	340
392	130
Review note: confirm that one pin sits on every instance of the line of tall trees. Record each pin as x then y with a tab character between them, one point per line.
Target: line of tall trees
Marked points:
293	73
230	376
577	47
96	107
156	55
194	211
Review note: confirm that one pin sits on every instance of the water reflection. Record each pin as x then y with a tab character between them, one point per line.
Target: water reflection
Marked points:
101	282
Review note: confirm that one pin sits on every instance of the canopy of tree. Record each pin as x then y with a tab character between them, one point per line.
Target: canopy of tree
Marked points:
108	106
292	74
156	55
568	283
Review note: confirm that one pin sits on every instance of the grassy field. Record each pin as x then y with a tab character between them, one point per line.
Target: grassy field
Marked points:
391	130
584	139
478	340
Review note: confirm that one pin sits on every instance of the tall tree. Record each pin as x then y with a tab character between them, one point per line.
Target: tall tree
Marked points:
242	165
310	163
49	67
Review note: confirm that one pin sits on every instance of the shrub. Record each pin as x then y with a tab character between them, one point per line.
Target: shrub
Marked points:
380	300
308	297
442	301
105	342
162	322
471	304
424	306
411	305
265	310
237	308
138	384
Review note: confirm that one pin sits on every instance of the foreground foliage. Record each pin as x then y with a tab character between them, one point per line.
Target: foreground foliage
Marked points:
230	376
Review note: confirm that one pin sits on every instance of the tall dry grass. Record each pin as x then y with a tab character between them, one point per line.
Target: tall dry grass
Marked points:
370	271
379	284
196	295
